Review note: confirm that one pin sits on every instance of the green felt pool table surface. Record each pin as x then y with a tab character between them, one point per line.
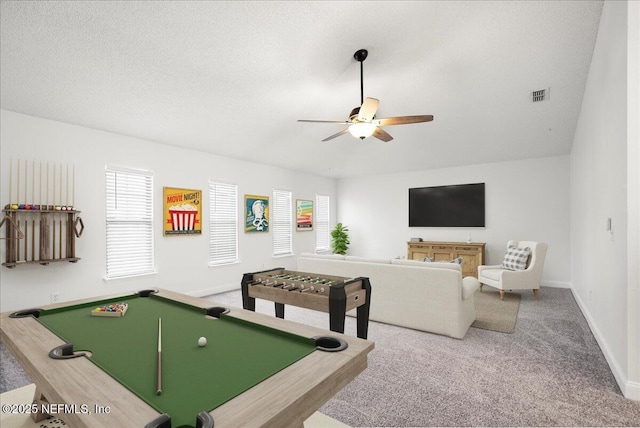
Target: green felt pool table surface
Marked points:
237	356
247	358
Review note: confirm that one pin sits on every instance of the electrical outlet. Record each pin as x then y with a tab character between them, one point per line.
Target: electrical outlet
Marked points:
55	297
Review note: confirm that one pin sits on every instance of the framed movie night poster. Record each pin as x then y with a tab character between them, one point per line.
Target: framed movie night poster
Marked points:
256	213
304	215
182	211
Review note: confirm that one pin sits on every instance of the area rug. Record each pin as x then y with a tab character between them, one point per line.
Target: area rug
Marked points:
495	314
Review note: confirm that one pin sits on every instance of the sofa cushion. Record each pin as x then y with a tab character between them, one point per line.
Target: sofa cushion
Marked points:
516	258
493	274
366	260
433	265
323	256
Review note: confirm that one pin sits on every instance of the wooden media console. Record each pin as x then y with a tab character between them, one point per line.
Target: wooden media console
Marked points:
472	253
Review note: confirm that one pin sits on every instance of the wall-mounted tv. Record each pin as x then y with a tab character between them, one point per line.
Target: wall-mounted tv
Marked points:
459	205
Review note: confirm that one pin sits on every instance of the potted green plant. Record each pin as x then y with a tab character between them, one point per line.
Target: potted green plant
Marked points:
340	239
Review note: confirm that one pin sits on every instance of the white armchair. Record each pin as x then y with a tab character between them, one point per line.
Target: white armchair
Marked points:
499	277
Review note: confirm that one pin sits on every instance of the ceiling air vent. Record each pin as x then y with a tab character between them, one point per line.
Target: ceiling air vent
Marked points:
540	95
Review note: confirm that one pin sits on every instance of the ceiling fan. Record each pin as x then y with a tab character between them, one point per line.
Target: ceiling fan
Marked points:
362	122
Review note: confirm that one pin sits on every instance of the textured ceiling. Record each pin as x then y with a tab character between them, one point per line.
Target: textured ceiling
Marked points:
232	78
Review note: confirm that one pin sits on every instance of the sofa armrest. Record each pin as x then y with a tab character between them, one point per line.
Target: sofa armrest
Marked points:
469	286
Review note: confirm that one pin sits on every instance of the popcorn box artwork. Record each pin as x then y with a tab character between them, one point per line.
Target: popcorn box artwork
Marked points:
182	211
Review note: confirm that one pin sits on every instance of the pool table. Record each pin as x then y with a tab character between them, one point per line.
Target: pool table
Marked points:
255	370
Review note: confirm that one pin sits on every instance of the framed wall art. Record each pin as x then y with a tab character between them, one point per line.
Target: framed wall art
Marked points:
182	211
304	215
256	213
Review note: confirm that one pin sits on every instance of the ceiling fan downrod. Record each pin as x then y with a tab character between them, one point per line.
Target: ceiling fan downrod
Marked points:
360	56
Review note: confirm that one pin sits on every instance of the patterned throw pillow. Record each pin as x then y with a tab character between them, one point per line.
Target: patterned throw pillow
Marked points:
516	258
458	260
427	259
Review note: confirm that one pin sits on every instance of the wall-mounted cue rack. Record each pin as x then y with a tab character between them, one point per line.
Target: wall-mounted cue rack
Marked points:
41	233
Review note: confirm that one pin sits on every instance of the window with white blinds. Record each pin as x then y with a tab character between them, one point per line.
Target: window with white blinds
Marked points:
323	237
129	215
281	223
223	223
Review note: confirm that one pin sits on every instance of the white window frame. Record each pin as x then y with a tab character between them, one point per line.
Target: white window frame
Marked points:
223	223
129	223
322	220
281	222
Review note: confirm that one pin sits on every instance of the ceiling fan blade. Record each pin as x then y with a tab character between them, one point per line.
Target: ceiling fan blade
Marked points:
331	137
381	134
368	110
404	120
324	121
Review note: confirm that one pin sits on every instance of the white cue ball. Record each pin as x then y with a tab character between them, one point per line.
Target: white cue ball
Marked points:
202	341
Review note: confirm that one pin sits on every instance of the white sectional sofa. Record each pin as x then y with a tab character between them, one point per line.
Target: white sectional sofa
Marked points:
424	296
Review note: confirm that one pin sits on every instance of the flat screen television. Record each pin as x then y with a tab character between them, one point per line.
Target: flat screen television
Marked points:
459	205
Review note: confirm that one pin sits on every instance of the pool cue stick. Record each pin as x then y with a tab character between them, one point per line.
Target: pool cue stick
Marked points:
47	185
26	221
71	235
53	216
66	198
18	215
44	224
10	243
33	219
23	206
69	238
41	213
10	182
60	231
159	384
18	189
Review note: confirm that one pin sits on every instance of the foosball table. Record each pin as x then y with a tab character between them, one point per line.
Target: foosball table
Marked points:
326	293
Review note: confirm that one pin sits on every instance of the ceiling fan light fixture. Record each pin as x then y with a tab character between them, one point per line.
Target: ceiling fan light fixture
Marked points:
362	130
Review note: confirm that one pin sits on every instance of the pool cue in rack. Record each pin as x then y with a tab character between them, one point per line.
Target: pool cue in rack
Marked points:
37	232
326	293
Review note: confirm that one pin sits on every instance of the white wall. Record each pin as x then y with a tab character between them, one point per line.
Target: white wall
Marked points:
600	179
633	199
181	261
525	200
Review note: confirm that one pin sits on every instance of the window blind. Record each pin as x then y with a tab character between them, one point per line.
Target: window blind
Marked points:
129	221
282	223
323	240
223	223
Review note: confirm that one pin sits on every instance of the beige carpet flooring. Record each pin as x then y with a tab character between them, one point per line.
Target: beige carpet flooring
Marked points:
549	372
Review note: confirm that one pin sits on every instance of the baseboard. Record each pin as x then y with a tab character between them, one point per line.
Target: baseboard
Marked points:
223	288
555	284
630	390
